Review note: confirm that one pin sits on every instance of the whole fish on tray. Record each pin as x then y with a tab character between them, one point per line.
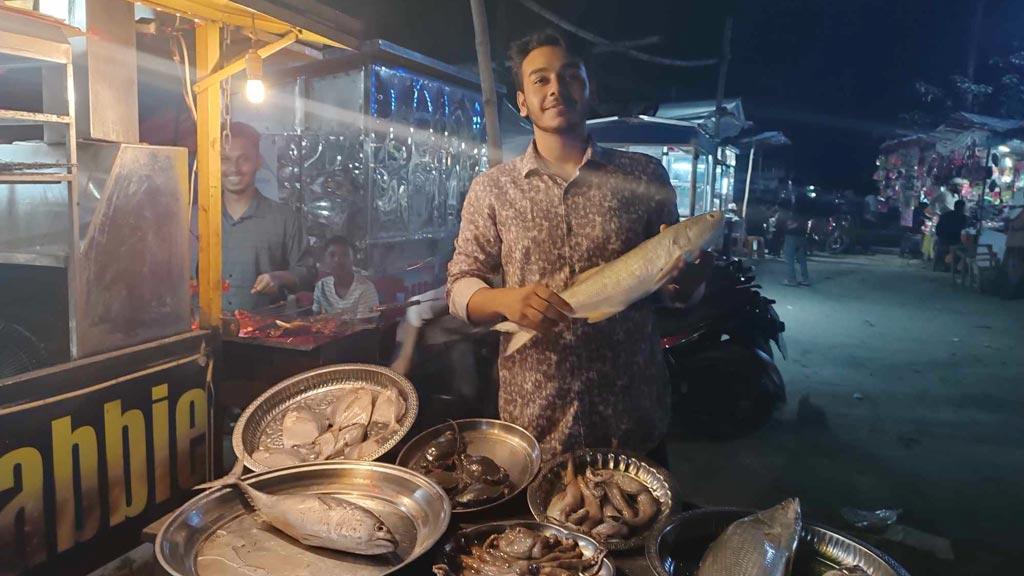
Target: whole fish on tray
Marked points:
356	423
321	520
761	544
606	290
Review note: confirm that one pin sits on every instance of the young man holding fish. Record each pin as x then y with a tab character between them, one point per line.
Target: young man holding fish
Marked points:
564	208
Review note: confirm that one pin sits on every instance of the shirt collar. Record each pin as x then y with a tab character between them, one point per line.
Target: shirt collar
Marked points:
256	208
532	162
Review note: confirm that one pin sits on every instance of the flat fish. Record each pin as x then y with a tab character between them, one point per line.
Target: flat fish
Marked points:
301	425
320	520
761	544
603	291
278	457
351	407
387	411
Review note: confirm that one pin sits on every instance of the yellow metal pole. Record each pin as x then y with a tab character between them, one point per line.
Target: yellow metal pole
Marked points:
208	129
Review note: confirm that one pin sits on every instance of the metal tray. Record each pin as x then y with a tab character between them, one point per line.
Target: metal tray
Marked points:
218	534
511	447
656	478
677	545
260	423
478	534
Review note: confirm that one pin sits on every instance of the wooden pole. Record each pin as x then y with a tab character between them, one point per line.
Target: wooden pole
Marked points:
483	59
750	168
693	181
208	111
723	69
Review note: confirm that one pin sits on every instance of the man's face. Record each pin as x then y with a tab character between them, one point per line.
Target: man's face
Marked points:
239	163
337	260
555	90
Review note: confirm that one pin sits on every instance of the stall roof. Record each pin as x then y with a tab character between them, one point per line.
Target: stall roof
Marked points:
384	52
990	123
773	138
240	13
914	140
734	120
648	130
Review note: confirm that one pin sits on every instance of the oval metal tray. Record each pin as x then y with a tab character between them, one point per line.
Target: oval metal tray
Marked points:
677	545
478	534
511	447
263	416
218	534
657	479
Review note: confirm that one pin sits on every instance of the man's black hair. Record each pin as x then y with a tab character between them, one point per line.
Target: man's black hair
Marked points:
521	48
243	131
338	241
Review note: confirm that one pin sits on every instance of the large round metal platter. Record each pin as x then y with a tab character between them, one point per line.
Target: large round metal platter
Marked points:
511	447
460	542
219	534
259	426
550	481
677	545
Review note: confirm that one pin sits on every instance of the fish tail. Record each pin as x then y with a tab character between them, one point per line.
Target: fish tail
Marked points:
518	340
232	477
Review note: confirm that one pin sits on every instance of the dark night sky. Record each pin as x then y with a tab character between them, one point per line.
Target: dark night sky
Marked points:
833	74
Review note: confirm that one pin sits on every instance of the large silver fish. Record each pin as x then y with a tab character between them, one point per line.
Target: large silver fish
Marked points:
321	520
610	288
761	544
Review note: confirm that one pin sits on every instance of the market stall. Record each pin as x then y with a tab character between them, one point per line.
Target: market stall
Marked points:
106	384
684	149
103	395
971	157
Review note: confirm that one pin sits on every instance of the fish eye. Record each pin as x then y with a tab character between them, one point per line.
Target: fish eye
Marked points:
381	527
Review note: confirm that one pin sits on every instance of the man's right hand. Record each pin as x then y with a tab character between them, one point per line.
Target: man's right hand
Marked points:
534	306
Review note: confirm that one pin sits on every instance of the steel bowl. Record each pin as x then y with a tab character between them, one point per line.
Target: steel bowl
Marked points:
218	533
677	545
511	447
550	481
260	423
460	542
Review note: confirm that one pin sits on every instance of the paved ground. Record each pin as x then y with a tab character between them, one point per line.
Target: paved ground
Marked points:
937	429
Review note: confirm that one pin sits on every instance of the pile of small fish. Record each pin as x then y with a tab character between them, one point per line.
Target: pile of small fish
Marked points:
606	504
355	424
321	520
761	544
519	551
469	480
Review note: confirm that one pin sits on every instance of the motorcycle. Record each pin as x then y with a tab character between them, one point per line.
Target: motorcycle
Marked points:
720	356
832	234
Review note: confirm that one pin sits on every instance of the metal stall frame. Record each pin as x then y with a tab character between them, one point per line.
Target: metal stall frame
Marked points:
43	51
211	16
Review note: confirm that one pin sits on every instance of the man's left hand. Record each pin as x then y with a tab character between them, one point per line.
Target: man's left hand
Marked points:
675	296
265	284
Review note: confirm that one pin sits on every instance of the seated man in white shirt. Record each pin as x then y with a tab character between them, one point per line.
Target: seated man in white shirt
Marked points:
344	289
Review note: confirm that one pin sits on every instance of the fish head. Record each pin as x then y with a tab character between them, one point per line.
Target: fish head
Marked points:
382	539
698	232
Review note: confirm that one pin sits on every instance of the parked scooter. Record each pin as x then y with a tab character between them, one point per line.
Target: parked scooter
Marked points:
720	356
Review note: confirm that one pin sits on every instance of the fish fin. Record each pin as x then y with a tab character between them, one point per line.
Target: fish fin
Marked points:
519	339
507	327
231	477
601	315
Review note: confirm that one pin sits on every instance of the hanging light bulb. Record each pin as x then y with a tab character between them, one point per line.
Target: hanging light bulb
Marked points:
255	91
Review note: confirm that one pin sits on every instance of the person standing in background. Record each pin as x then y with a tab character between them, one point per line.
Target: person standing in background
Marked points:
794	224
